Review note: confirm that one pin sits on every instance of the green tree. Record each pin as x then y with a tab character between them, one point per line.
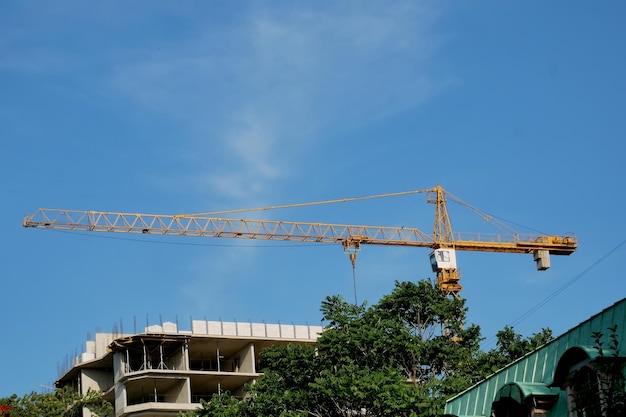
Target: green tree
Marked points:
284	390
221	405
442	345
388	359
510	346
403	356
60	403
359	360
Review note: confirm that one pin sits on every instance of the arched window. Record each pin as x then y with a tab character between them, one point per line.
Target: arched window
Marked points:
523	399
508	407
585	393
593	381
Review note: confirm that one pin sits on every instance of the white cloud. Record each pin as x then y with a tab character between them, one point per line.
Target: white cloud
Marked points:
268	87
257	88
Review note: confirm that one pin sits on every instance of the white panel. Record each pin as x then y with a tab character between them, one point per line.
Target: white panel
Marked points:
229	328
258	329
316	331
103	340
215	327
90	347
302	332
273	330
169	327
287	331
155	328
243	329
199	327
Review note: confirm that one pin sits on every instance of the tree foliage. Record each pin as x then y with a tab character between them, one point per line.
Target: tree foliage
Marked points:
60	403
402	356
222	405
511	346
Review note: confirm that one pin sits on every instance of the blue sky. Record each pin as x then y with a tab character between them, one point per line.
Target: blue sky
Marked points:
160	107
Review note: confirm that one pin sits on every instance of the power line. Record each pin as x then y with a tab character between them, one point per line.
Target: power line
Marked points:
562	288
566	285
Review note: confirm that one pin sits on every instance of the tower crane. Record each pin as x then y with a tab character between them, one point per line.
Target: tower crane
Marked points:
443	241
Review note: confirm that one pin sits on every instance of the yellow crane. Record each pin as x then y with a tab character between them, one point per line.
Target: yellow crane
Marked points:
443	241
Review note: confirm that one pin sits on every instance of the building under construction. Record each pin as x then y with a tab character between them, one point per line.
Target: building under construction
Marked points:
164	371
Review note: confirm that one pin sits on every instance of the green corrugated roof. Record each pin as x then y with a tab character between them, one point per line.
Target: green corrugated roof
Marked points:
540	366
529	388
520	391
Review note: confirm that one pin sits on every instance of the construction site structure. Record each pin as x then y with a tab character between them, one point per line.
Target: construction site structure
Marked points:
443	241
164	370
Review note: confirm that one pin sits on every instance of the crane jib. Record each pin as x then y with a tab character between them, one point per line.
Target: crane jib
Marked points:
350	236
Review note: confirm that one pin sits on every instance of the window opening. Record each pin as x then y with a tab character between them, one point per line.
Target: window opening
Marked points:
585	396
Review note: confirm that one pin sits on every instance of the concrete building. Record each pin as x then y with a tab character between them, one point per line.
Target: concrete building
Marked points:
164	371
567	377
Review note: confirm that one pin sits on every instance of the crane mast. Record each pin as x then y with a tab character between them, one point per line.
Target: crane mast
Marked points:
443	242
443	257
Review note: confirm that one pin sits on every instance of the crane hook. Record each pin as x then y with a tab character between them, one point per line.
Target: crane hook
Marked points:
353	260
351	246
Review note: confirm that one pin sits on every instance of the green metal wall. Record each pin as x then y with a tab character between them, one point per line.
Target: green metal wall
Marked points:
539	366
